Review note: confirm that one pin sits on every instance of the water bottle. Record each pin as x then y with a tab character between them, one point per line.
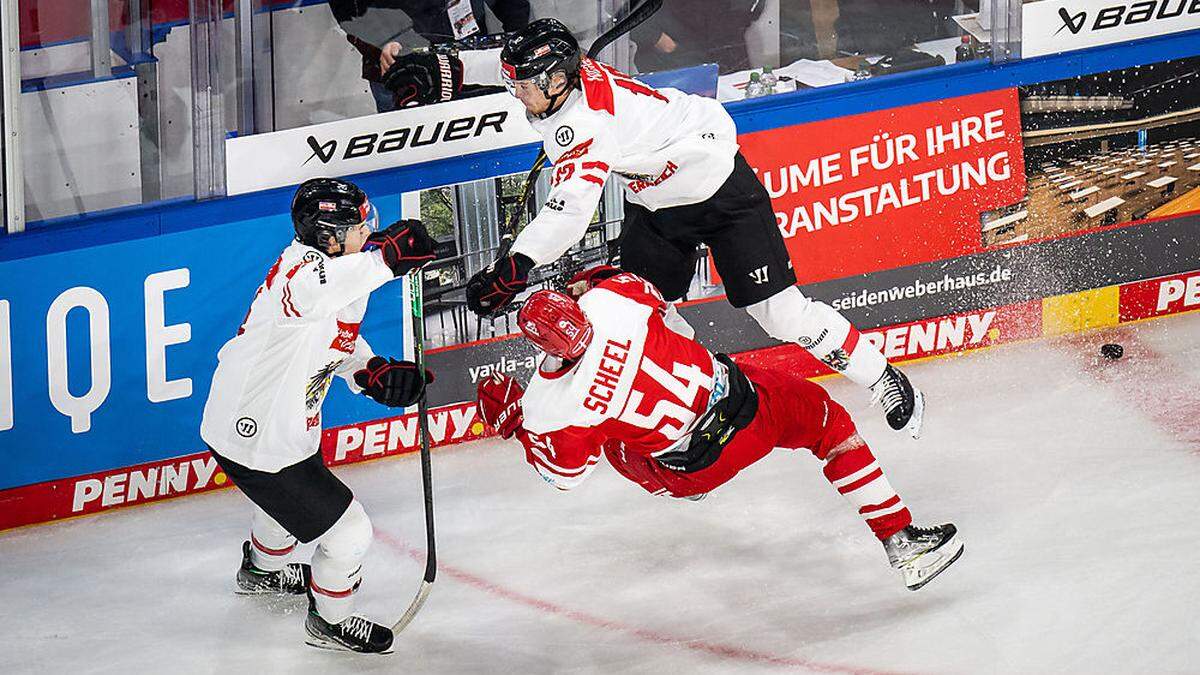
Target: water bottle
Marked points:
754	88
769	81
965	51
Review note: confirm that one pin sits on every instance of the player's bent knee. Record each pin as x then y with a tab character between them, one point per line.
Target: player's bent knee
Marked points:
350	536
791	316
840	435
782	314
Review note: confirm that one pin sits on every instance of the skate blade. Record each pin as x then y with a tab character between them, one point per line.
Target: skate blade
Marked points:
238	590
918	574
918	417
329	645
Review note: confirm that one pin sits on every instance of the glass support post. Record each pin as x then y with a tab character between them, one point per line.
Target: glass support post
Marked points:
1006	30
208	116
255	102
13	184
146	70
101	41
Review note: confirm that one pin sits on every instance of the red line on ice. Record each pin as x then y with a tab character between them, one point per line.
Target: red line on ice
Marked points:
712	648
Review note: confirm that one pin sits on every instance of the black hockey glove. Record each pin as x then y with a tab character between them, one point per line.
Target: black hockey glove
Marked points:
490	290
392	383
405	246
717	427
424	77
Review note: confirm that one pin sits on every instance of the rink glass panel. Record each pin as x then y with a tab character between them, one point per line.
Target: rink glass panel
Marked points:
139	112
465	220
105	104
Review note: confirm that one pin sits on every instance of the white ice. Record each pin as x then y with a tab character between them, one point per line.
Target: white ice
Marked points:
1074	483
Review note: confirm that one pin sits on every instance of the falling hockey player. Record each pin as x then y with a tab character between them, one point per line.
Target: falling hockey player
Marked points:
622	377
685	183
262	420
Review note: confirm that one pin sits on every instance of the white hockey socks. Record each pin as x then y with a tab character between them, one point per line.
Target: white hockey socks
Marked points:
853	470
270	544
825	333
337	564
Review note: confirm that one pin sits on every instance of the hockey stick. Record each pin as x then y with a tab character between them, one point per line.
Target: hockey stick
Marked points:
417	291
633	19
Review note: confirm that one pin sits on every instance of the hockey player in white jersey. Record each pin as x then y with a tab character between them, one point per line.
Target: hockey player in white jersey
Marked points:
685	182
262	420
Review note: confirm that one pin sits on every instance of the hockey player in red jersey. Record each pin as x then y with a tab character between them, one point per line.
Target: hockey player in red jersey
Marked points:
676	158
623	378
262	419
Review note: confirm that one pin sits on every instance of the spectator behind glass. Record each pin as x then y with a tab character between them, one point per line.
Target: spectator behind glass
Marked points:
887	26
689	33
431	21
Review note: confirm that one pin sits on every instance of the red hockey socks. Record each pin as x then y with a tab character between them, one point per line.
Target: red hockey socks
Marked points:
853	470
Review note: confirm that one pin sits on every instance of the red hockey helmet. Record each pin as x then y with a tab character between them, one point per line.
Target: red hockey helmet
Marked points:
554	323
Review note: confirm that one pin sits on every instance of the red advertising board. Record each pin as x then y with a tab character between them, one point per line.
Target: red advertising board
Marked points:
920	339
891	188
198	472
1160	297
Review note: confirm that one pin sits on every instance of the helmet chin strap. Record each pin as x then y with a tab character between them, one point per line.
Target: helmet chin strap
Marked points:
556	100
339	236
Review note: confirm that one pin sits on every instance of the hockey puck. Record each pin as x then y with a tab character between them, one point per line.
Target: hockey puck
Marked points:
1112	352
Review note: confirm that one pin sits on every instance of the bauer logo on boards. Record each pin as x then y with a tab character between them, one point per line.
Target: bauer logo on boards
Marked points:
399	138
1051	26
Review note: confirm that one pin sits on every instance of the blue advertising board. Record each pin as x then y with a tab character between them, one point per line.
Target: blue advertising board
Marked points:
111	348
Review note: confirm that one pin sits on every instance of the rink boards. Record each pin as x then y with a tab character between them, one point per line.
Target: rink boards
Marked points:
1093	280
109	323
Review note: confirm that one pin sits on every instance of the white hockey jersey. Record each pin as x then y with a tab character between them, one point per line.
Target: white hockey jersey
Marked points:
264	406
663	146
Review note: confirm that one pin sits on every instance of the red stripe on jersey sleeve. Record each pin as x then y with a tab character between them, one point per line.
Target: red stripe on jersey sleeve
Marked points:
289	309
593	179
596	86
575	152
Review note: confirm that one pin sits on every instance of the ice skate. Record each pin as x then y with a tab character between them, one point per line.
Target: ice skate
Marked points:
291	580
921	553
903	403
354	634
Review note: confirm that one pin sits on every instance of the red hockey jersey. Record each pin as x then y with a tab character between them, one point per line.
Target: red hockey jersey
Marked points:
640	382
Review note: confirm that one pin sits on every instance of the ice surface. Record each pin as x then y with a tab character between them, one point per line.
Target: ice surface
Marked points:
1074	482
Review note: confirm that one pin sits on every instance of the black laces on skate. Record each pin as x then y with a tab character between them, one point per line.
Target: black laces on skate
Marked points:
888	392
